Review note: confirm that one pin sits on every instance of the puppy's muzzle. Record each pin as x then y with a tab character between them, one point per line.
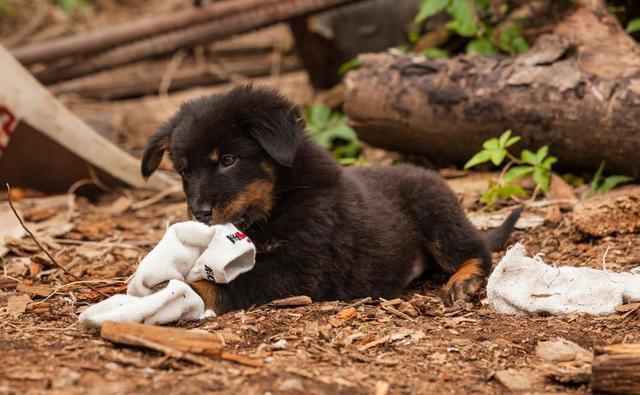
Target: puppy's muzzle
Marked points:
203	213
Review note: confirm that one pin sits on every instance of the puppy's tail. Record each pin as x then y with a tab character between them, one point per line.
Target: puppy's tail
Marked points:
497	237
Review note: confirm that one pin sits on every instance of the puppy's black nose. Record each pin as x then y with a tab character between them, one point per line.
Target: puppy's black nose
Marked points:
203	214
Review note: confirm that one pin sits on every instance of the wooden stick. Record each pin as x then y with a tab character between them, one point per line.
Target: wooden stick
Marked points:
260	13
181	340
616	369
33	237
98	40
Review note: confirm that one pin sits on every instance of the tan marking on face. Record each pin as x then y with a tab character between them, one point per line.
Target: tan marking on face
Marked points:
208	291
268	169
214	155
256	199
183	163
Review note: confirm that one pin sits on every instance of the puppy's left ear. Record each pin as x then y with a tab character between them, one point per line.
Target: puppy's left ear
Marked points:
156	146
280	135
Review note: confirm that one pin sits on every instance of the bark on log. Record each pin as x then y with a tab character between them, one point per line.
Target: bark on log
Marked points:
577	90
144	79
263	13
616	369
98	40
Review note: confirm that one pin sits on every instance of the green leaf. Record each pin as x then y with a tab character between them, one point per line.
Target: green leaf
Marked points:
429	8
349	65
593	186
502	141
633	26
497	156
528	157
509	190
517	172
548	162
573	180
480	46
481	157
344	132
519	45
70	6
491	144
613	181
542	178
319	116
541	154
435	53
490	196
512	141
463	21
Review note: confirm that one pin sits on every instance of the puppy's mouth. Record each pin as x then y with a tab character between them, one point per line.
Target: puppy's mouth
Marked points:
241	221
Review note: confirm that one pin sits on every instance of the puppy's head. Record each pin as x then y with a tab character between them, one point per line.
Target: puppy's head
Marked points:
229	150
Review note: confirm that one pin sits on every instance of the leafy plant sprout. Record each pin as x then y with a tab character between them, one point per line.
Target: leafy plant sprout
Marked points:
537	164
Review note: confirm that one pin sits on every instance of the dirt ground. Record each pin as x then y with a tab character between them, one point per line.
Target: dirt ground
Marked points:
304	349
412	344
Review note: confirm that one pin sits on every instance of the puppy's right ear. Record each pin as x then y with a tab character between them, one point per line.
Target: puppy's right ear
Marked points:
156	146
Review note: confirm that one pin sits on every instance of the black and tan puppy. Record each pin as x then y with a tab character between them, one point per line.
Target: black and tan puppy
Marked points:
320	230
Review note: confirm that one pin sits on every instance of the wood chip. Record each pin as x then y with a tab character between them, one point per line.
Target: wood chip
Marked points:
17	305
624	308
241	359
343	316
181	340
562	350
374	343
293	301
36	290
519	379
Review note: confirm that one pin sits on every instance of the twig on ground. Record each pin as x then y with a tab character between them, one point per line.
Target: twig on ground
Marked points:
33	237
166	350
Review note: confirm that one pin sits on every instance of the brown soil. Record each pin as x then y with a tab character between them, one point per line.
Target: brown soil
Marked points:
444	350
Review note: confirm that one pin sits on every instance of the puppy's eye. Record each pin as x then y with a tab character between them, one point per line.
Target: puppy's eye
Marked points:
228	160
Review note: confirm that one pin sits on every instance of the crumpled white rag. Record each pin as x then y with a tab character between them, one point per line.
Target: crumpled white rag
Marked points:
189	251
521	285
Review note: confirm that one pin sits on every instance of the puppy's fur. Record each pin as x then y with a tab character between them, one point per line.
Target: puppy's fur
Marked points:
320	230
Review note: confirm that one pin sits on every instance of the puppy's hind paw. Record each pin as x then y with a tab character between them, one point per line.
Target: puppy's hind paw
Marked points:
465	283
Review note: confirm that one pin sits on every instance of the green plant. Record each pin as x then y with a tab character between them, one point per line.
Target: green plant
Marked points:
495	150
598	185
71	6
349	65
633	26
476	20
8	9
332	132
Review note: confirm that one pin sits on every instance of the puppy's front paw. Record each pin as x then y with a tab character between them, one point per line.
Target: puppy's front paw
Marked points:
208	291
465	283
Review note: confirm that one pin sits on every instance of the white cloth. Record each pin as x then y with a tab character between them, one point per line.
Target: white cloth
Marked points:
177	301
521	285
189	251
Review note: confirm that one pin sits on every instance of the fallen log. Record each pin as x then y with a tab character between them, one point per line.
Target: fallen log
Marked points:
616	369
90	42
145	78
576	90
139	118
262	13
